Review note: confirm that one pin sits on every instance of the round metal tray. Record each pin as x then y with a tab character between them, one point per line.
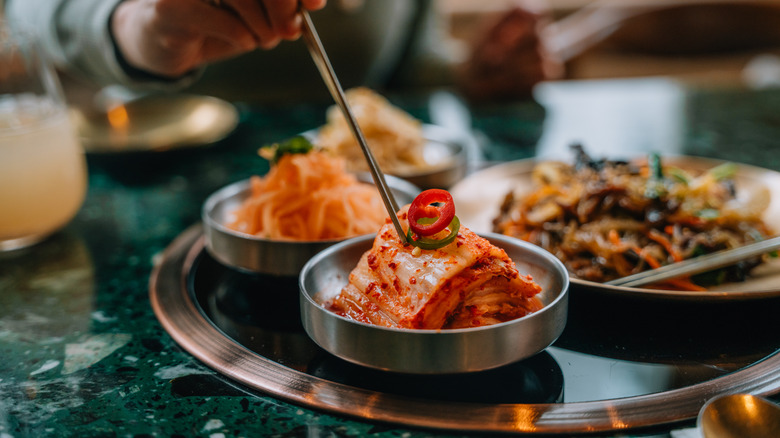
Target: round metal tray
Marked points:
227	320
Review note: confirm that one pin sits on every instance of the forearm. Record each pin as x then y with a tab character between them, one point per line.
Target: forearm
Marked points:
76	35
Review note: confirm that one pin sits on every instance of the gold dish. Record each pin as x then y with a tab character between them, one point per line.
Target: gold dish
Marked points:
157	123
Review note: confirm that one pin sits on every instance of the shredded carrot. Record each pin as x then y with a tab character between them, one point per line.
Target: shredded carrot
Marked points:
614	238
684	283
664	241
309	197
649	259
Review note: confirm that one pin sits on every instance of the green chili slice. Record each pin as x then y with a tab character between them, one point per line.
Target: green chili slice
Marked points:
428	243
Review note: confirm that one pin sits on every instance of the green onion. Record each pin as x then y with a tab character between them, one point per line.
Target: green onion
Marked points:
708	213
428	243
723	171
711	278
679	174
655	183
295	145
656	170
697	251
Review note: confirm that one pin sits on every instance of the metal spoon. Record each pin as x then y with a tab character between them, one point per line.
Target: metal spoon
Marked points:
739	416
320	58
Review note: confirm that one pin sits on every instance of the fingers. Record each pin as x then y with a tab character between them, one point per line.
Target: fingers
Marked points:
212	22
217	50
271	20
168	37
312	5
284	18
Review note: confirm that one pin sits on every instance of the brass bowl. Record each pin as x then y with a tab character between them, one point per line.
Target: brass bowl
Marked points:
157	123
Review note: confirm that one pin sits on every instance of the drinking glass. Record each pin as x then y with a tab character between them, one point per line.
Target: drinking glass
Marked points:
42	164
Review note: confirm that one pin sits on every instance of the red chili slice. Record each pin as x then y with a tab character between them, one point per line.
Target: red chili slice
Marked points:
421	208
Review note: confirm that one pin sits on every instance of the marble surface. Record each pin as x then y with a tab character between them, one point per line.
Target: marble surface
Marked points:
81	352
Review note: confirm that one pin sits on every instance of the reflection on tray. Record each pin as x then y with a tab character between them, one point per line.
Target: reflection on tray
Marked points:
538	379
657	346
261	313
723	335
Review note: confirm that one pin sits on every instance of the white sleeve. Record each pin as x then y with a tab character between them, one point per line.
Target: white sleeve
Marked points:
76	35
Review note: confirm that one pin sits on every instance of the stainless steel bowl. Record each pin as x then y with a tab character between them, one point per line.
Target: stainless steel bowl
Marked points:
446	150
432	351
253	254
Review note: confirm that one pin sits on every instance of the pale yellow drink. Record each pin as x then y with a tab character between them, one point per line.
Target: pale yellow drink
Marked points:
42	173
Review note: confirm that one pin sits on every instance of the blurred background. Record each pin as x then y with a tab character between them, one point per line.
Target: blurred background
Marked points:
708	42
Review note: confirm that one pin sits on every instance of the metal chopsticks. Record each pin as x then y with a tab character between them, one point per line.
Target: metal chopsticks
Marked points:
314	45
699	264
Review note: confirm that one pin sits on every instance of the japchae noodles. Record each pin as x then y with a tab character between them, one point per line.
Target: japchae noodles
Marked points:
608	219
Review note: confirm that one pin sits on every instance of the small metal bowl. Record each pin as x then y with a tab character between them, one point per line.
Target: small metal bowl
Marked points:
253	254
432	351
446	151
448	154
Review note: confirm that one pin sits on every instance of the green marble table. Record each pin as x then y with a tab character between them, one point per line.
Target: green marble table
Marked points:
81	352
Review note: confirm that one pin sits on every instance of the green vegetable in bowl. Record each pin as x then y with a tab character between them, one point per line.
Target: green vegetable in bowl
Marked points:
294	145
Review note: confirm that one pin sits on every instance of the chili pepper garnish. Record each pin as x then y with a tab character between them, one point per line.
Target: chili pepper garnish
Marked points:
431	212
432	203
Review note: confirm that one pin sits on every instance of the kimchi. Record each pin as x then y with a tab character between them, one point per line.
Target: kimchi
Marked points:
466	283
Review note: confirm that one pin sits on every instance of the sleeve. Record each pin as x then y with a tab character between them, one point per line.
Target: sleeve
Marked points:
76	36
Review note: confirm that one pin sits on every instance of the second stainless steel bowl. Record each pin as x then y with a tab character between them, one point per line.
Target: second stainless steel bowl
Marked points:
253	254
447	152
432	351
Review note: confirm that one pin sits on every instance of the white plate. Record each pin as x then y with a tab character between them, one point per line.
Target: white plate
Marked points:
479	196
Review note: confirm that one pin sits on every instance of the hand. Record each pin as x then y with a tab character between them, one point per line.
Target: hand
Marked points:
171	37
509	59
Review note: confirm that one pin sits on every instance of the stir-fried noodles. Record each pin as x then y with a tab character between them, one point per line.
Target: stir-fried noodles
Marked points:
608	219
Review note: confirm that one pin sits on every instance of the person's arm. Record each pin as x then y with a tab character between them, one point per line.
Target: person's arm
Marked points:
74	34
170	37
152	42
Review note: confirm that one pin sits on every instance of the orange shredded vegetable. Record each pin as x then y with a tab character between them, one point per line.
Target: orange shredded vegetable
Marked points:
309	197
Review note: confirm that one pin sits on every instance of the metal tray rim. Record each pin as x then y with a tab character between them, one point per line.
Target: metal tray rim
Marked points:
181	318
